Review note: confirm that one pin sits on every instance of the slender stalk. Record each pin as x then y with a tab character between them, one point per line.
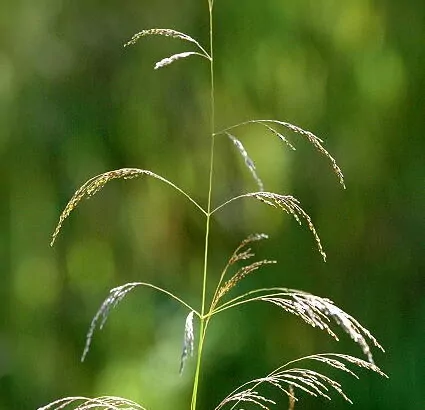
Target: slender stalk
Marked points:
172	295
204	321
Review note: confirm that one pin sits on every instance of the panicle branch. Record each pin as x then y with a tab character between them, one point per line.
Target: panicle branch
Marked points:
287	203
173	34
115	296
240	253
306	380
95	184
314	310
313	139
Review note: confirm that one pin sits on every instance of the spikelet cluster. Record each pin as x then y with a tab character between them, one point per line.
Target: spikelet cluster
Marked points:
290	205
240	253
166	32
169	60
188	341
317	143
316	311
313	139
101	316
240	274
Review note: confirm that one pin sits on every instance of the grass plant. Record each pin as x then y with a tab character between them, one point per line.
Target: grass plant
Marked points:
292	379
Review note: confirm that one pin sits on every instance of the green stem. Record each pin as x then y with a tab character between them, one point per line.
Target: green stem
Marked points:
204	320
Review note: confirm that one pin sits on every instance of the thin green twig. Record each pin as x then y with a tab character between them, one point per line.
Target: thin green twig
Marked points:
150	285
204	321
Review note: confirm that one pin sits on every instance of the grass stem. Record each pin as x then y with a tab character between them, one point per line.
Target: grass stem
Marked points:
204	321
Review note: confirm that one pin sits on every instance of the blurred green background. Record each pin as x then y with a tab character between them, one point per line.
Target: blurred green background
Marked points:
74	103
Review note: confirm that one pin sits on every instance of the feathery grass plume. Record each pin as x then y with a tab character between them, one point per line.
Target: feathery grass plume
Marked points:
314	310
115	297
169	60
95	184
313	139
248	161
167	33
84	403
306	380
188	341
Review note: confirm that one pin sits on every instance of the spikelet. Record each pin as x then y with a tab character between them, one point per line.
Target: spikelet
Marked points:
84	403
248	161
188	342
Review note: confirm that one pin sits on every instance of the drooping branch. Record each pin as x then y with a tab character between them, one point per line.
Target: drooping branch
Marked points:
313	139
314	310
95	184
241	253
165	32
287	203
286	380
115	296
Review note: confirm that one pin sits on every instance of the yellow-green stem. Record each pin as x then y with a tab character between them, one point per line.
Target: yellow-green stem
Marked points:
204	320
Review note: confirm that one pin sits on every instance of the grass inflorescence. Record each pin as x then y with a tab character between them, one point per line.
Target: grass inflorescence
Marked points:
290	379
